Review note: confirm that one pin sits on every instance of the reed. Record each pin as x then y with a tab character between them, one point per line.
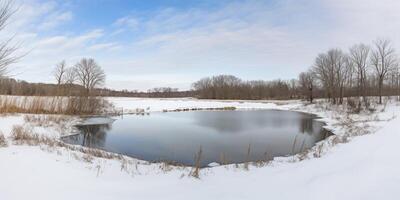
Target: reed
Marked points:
223	159
73	105
197	166
246	164
294	145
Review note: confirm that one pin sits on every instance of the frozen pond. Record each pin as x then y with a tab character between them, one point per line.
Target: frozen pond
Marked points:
224	136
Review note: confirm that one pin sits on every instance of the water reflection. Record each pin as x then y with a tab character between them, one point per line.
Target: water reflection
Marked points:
223	135
91	135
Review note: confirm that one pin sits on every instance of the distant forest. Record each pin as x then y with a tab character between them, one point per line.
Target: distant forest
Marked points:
10	86
362	71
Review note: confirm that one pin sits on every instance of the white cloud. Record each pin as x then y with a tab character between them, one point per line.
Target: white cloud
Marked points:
55	19
105	46
173	47
127	21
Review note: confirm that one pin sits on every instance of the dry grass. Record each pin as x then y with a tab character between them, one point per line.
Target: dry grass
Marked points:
166	167
23	135
246	164
223	160
3	141
46	120
197	166
55	105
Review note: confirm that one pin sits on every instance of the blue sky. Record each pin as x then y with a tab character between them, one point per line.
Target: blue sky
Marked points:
144	43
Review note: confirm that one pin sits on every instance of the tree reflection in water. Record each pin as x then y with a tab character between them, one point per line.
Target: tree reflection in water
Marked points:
224	135
90	135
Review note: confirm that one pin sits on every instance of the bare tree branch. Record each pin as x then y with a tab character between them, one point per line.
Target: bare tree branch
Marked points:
7	50
59	72
89	74
384	60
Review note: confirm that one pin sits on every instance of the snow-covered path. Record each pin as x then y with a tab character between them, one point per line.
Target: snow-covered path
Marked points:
365	168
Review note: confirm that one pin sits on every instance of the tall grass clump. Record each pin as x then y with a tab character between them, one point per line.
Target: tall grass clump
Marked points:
74	105
21	134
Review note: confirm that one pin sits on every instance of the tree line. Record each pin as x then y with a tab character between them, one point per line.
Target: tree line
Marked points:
361	71
231	87
10	86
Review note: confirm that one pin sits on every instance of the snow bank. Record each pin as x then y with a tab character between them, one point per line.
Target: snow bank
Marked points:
96	121
365	168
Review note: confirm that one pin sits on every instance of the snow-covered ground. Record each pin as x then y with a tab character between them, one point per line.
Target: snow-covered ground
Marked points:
130	105
365	167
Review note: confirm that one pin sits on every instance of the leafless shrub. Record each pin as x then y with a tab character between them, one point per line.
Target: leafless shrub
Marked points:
353	106
88	158
318	150
260	163
21	134
3	141
339	139
303	155
45	120
166	167
124	165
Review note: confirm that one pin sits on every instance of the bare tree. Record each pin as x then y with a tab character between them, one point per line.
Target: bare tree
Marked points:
341	66
359	59
307	82
69	79
293	87
384	61
7	49
89	74
70	76
59	72
333	70
325	74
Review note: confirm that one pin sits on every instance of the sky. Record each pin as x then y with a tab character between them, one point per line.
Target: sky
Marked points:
172	43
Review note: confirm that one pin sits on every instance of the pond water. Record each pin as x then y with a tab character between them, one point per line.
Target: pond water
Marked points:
223	136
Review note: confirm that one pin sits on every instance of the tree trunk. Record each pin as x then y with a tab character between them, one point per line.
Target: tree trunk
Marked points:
380	91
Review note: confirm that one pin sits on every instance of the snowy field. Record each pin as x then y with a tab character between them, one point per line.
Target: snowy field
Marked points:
157	105
342	167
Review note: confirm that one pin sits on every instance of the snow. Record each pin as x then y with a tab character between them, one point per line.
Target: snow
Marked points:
132	105
97	120
367	167
213	164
